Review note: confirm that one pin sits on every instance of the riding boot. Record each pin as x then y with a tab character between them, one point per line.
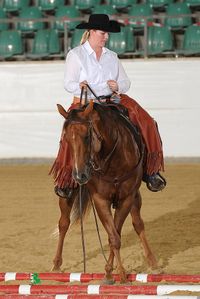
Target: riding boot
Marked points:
67	192
155	182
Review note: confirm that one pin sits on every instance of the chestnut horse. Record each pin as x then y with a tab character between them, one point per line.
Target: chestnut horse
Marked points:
107	161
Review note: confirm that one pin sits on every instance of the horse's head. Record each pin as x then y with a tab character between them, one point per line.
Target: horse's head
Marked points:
81	133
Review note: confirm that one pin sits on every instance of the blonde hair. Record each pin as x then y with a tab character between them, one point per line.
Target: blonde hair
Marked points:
85	37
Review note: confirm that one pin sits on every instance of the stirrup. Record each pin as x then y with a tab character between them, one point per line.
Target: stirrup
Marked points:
156	182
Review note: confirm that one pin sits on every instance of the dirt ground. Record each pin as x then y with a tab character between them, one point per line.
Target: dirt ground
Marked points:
29	215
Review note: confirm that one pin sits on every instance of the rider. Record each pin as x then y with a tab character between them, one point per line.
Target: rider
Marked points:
93	64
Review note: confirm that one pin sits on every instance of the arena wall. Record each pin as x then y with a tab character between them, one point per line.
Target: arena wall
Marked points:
30	125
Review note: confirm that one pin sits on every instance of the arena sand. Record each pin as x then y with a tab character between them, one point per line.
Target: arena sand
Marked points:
30	212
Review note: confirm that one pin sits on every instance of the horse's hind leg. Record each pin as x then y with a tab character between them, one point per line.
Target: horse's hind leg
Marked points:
63	225
138	225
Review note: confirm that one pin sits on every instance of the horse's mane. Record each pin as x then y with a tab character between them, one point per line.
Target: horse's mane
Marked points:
73	116
105	111
107	114
109	117
116	119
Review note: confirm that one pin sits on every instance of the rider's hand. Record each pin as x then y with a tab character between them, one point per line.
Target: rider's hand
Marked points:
84	85
112	85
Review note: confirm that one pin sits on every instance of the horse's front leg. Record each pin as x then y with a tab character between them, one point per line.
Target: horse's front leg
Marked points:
121	214
109	267
63	225
114	253
103	208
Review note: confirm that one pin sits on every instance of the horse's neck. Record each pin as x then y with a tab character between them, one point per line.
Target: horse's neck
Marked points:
126	153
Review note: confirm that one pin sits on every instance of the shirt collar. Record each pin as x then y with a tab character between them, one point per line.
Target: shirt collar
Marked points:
89	49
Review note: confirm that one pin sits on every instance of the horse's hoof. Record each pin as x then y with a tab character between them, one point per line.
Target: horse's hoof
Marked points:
152	262
108	281
123	281
158	270
55	269
123	278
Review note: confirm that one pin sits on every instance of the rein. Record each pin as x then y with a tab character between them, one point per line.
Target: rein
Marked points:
82	230
92	164
99	168
118	180
98	98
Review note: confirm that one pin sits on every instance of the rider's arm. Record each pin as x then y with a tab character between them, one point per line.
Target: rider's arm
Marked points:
122	80
72	73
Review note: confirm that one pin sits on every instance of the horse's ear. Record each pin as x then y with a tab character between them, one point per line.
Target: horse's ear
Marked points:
62	111
87	110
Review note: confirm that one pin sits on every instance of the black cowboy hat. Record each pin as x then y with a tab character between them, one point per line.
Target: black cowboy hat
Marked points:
100	22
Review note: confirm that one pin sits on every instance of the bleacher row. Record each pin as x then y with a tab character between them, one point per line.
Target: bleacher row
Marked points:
45	29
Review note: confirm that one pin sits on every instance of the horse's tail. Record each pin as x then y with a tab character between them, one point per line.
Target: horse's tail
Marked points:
77	211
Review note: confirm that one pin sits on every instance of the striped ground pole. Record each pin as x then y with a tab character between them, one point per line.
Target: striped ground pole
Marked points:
94	297
97	289
87	277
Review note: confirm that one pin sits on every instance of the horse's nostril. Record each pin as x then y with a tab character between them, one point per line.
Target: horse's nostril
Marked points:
81	177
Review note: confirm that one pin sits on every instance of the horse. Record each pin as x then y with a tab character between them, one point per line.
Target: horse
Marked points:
108	162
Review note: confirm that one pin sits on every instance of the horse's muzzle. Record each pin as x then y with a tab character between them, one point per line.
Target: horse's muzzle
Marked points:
82	177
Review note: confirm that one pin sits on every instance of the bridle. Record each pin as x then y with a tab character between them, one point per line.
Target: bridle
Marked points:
91	163
97	168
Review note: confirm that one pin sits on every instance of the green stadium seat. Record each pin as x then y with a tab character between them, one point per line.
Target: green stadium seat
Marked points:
193	3
138	11
40	47
86	4
54	43
15	5
159	40
104	9
191	40
76	38
10	43
176	9
66	11
122	4
45	43
46	5
130	38
31	12
159	3
3	26
122	42
117	42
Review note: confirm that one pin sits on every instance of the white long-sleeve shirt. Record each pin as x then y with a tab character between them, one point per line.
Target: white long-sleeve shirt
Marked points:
81	64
